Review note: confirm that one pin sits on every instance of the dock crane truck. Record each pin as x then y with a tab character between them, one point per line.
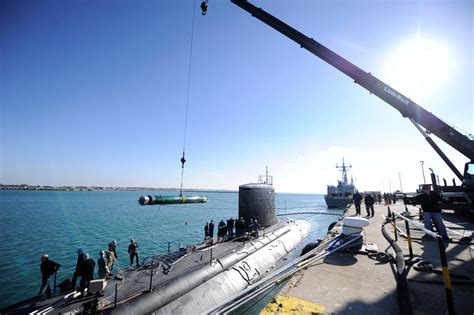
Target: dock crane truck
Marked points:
460	198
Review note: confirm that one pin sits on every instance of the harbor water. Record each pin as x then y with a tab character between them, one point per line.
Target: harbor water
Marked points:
58	222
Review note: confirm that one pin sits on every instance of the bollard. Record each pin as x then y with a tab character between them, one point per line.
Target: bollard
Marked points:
96	303
409	239
210	260
446	278
169	246
151	280
55	275
115	298
395	227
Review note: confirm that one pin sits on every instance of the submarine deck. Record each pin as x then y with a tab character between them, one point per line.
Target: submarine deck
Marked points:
168	267
345	283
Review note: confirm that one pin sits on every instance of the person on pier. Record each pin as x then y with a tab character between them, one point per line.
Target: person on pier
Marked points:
429	202
369	205
357	200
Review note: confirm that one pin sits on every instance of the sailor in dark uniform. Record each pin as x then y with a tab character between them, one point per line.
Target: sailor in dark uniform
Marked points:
211	229
221	230
255	227
102	271
230	227
133	252
48	268
80	267
206	230
88	273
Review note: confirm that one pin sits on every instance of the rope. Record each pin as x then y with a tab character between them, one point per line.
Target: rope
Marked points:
183	160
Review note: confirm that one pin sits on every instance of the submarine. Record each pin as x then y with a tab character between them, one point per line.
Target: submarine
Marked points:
194	278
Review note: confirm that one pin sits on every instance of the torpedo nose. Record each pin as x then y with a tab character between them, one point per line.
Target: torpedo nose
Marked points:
143	200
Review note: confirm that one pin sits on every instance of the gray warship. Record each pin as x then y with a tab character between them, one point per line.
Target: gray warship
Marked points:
341	195
193	279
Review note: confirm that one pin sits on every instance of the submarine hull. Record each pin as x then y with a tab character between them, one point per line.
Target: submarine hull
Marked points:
206	286
240	275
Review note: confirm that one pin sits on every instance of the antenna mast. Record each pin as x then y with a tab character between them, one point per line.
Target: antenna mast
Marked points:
344	168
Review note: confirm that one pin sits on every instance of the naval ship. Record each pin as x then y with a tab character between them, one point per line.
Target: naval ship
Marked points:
194	279
341	195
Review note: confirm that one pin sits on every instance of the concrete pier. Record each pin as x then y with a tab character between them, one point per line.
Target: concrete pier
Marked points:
353	283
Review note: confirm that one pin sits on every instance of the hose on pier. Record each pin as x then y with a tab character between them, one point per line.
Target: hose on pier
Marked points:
403	294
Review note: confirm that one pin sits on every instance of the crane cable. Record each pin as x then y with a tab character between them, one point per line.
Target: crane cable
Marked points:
183	159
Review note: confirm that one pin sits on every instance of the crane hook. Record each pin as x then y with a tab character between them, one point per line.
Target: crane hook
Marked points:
204	7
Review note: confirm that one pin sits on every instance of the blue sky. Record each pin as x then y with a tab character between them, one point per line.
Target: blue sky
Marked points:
94	92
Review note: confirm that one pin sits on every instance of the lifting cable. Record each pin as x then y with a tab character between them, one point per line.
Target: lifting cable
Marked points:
183	160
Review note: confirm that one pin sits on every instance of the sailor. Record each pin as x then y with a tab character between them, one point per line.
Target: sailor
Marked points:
211	229
250	227
206	230
88	273
230	227
80	267
111	255
113	248
428	201
133	252
255	228
241	226
102	271
357	199
238	227
369	204
48	268
221	231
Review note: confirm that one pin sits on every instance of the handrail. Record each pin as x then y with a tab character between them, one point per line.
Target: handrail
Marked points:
443	257
418	225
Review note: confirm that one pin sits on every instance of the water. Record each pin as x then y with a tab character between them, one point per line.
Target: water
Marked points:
58	222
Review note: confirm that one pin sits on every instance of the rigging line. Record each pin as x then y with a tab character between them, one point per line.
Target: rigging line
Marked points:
183	160
189	79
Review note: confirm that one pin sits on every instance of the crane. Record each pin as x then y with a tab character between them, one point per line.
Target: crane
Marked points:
419	116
